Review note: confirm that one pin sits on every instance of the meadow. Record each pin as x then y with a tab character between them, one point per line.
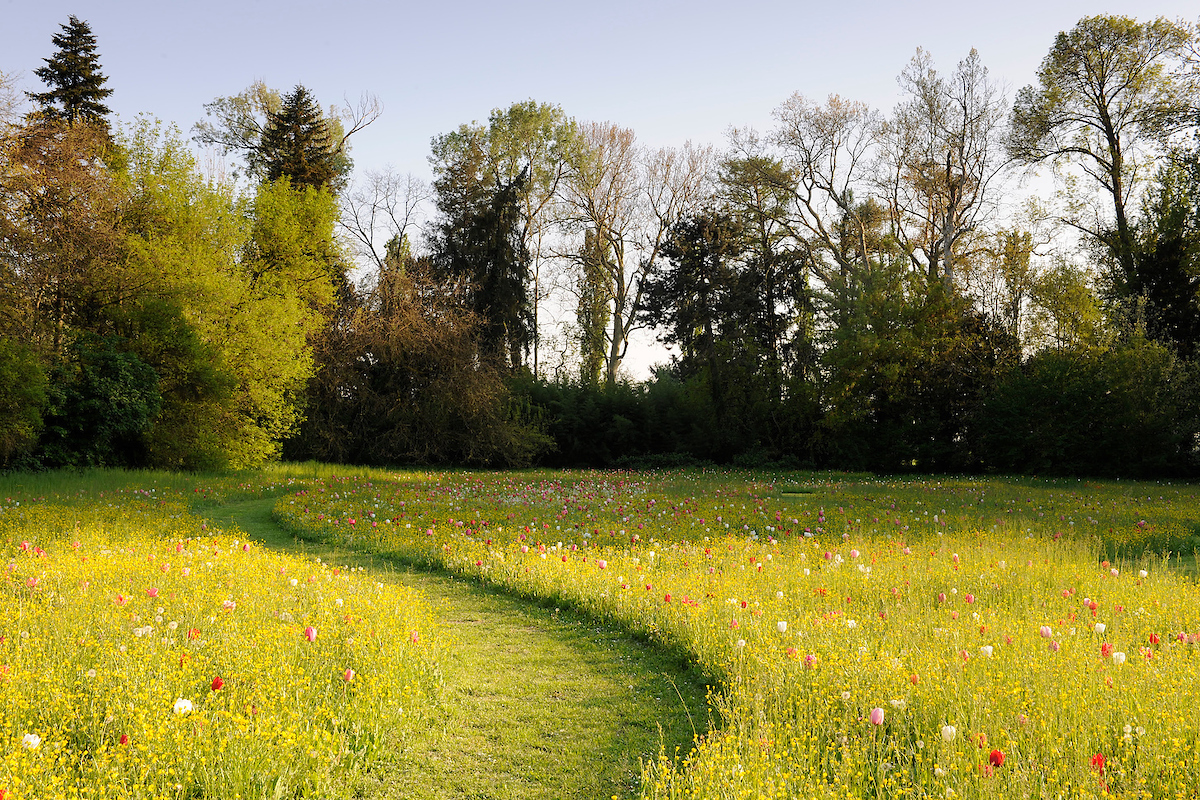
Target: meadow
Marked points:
937	637
145	655
864	638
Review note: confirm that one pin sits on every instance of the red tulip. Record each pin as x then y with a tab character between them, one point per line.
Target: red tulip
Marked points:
996	758
217	684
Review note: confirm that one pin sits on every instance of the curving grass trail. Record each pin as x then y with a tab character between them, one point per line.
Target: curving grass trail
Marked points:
539	703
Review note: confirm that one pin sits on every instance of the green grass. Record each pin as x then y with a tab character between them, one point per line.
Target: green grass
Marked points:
540	702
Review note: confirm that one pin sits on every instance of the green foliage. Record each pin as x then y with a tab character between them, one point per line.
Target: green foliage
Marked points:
22	399
1107	92
592	313
1128	411
298	145
75	85
482	243
1166	277
399	381
102	402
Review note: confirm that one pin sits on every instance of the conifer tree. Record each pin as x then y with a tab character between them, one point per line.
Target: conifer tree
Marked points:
72	75
297	144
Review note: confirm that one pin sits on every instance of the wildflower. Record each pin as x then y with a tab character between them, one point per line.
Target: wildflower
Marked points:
31	741
183	706
217	684
741	643
876	716
310	633
949	732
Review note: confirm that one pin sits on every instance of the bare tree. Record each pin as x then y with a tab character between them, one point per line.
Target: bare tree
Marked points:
940	155
383	206
827	156
628	198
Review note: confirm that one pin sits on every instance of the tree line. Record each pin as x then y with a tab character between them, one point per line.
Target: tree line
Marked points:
849	288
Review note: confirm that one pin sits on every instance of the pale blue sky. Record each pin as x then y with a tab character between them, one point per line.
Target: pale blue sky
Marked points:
672	71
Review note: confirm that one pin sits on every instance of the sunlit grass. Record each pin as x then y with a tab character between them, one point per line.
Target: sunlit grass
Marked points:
961	615
145	655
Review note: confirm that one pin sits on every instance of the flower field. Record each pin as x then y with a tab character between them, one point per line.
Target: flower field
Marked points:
143	655
866	638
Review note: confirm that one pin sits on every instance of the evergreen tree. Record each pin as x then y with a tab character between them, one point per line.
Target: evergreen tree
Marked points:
479	240
75	84
297	144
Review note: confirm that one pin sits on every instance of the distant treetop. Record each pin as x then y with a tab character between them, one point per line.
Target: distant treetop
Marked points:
75	85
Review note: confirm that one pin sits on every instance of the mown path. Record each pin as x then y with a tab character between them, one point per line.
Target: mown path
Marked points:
539	703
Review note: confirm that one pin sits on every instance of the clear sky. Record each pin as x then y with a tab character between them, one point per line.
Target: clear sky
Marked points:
670	70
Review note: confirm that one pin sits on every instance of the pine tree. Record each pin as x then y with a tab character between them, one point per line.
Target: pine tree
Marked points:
297	144
76	85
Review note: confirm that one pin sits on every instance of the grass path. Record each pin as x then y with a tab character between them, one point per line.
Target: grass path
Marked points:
539	704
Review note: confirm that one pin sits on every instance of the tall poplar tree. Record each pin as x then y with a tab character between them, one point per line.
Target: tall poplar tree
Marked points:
75	86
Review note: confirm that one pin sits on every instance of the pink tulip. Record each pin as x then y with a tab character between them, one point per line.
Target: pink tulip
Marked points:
876	716
310	633
348	675
1046	632
152	592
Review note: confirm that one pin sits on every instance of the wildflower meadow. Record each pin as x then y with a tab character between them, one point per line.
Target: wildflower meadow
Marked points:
862	637
143	655
865	638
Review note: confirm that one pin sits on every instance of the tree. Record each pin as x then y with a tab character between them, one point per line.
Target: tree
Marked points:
629	199
60	239
592	309
75	92
479	240
528	144
1167	259
400	379
1110	92
380	210
241	123
298	145
940	156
